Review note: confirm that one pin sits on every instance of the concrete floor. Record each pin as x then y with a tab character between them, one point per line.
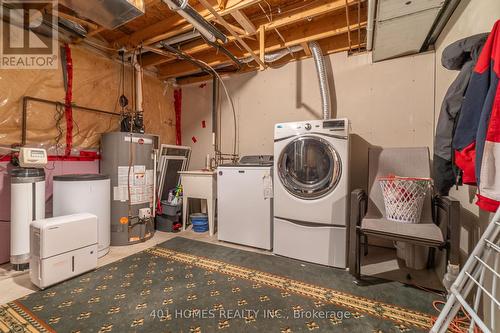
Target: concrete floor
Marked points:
14	285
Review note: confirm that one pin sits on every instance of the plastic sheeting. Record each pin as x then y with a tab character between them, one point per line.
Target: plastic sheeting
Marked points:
96	84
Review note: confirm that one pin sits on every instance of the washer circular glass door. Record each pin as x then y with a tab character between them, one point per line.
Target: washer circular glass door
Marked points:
309	167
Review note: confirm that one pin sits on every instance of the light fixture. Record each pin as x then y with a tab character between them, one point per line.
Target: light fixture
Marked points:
205	28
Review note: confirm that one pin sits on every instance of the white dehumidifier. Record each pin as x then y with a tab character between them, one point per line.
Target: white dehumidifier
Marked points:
62	247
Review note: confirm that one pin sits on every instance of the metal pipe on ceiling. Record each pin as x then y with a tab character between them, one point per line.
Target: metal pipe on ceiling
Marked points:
187	57
192	16
268	58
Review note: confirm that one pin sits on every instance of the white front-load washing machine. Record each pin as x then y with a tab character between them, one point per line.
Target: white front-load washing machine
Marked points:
311	176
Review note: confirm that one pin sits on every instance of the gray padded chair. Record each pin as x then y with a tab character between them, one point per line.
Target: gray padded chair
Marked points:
440	219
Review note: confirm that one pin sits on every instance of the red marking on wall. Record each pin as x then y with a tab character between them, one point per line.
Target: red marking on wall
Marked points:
203	124
194	139
203	85
68	110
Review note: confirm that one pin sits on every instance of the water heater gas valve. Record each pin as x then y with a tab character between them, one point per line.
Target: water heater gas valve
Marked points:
144	213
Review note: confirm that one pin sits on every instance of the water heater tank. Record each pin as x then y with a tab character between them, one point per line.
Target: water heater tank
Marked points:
128	158
27	204
87	193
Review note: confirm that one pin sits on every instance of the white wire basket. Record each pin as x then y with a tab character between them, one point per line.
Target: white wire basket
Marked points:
404	197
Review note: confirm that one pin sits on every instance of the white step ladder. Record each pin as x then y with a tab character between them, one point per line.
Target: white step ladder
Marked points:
472	275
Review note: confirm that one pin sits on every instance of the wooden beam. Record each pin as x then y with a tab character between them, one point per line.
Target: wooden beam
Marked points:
244	21
221	20
89	34
238	30
153	59
90	25
181	68
306	48
262	46
329	48
222	4
300	38
348	24
175	24
160	52
321	28
321	9
95	31
200	46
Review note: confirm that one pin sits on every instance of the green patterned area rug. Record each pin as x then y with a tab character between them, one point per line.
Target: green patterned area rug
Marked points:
189	286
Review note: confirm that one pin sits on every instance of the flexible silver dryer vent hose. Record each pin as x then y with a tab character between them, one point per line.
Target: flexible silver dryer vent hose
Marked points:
275	56
324	87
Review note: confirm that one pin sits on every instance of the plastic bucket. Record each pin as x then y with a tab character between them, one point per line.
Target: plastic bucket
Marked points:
200	222
170	210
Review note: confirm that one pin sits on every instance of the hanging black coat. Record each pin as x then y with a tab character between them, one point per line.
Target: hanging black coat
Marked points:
460	55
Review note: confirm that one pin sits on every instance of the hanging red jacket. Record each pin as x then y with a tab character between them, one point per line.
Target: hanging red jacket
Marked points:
477	137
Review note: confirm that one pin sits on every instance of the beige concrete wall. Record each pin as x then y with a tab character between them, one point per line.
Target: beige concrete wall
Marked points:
389	104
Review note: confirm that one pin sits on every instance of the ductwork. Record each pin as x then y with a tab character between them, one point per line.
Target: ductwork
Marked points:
369	25
324	87
110	13
275	56
205	28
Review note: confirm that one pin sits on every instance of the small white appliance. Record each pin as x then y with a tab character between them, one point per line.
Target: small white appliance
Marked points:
245	203
311	188
27	203
62	247
85	193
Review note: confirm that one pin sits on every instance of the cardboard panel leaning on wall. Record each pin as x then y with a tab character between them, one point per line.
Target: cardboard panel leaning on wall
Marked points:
96	84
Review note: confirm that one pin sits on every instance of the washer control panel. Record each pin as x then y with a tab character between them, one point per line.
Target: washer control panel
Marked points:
334	124
339	127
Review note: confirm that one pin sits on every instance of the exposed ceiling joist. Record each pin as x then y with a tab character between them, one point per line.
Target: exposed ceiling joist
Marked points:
294	37
245	23
175	24
318	10
329	47
306	48
221	20
222	4
253	28
311	12
87	24
160	52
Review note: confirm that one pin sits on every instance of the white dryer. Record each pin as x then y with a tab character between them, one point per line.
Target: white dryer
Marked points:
311	190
